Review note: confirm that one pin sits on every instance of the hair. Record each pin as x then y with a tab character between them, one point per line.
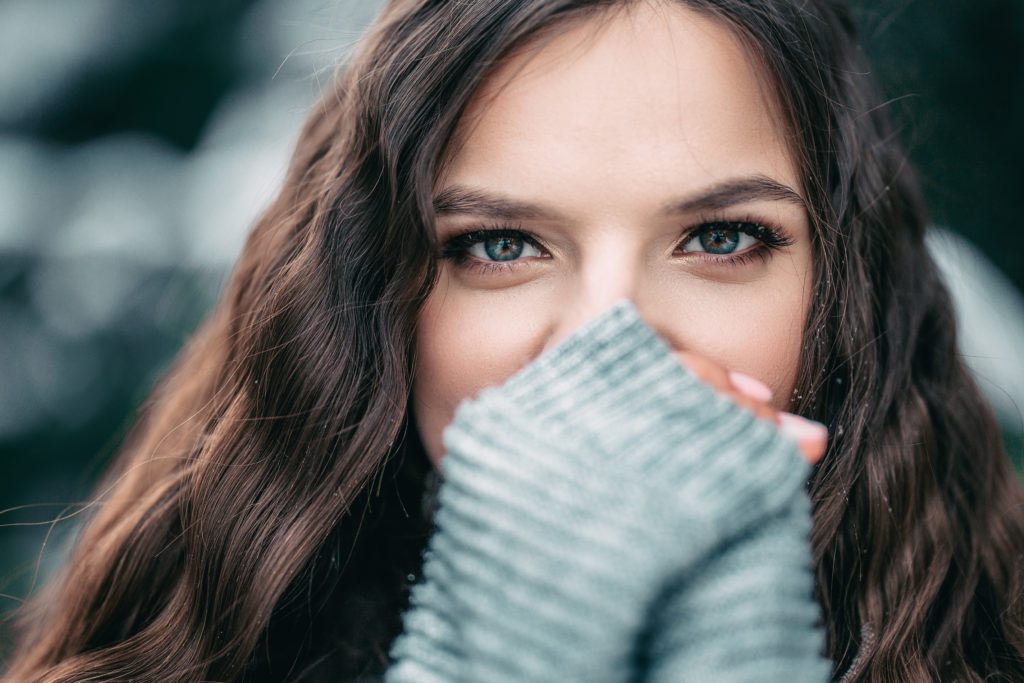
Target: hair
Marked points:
267	513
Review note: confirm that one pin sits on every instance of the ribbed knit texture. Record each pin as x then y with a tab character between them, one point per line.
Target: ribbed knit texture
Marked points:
605	516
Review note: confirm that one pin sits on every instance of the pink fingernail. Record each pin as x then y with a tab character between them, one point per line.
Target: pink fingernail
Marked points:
754	388
802	429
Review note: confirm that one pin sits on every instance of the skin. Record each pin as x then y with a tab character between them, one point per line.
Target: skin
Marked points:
604	124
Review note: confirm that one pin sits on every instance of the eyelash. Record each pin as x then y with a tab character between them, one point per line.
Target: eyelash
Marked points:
770	238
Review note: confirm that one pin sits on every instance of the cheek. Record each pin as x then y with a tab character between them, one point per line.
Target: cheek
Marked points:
755	330
463	344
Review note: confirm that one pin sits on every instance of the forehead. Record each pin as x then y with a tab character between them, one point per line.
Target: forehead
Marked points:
648	92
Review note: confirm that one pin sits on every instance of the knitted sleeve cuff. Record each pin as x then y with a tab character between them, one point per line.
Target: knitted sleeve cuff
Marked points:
571	493
614	395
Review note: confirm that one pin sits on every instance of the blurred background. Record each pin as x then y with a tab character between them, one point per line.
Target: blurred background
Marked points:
139	139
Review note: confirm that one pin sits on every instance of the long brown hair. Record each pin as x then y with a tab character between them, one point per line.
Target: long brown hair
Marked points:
267	513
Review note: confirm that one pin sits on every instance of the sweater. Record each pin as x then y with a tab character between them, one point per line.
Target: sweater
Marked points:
605	516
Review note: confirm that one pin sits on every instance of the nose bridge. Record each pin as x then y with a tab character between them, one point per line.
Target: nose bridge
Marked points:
609	270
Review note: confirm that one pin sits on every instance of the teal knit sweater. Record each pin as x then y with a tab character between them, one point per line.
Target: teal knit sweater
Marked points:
605	516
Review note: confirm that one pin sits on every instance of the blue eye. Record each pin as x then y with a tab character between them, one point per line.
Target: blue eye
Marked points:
501	248
720	238
491	249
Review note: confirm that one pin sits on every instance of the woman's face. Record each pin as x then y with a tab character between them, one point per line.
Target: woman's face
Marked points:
636	156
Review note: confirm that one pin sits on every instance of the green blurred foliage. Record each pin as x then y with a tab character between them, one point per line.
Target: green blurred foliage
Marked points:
954	78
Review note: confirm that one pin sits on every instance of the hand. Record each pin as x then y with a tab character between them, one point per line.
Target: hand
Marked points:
812	437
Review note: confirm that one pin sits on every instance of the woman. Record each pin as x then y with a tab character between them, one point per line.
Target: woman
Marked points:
260	510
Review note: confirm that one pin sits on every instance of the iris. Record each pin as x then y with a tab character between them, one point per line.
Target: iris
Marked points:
720	240
504	252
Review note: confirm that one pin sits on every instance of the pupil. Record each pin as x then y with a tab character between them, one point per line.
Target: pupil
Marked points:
504	252
720	240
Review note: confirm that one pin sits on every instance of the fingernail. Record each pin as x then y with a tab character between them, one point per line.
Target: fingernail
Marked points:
754	388
802	429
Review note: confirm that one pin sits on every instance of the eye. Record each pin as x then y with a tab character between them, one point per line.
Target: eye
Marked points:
501	248
721	238
492	249
733	243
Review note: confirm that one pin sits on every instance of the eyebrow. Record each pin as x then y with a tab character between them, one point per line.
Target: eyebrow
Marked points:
459	199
